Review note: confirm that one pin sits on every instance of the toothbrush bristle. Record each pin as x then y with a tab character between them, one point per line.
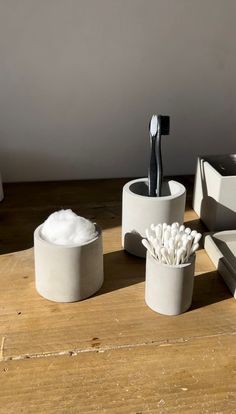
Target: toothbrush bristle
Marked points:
153	125
164	124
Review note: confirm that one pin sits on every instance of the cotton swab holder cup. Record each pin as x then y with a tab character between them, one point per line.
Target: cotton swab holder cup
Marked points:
169	288
68	273
139	211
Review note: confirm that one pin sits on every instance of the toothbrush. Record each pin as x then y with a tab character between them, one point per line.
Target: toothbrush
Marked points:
163	129
152	172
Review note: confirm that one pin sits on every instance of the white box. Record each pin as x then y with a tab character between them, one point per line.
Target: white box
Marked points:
214	197
221	248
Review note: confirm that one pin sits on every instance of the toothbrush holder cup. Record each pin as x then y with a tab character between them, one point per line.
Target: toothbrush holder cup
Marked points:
139	211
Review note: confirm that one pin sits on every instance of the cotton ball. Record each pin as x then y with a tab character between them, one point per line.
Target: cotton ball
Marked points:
64	227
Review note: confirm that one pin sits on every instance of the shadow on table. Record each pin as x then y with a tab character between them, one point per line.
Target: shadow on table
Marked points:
121	270
209	288
196	224
27	204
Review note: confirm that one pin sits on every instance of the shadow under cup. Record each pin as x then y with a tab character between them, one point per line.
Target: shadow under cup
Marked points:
139	211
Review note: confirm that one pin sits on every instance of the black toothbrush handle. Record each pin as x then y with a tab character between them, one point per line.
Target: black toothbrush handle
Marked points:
152	172
159	167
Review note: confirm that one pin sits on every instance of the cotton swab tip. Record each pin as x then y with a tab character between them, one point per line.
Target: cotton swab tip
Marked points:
197	238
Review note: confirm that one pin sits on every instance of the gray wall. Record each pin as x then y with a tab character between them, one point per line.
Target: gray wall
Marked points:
79	80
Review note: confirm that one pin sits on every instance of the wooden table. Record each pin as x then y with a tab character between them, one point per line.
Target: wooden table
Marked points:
109	353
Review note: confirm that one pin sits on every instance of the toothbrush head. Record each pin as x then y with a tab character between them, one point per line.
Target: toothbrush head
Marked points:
164	124
153	126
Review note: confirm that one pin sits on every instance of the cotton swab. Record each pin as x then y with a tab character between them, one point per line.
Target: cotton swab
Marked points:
197	238
148	247
171	244
194	248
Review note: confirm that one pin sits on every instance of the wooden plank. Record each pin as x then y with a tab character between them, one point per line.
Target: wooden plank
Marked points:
26	205
109	353
196	376
117	315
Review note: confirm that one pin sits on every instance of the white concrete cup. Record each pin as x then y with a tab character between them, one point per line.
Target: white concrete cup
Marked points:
139	211
168	288
68	273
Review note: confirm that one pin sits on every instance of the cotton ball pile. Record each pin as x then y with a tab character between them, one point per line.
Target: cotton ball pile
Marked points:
64	227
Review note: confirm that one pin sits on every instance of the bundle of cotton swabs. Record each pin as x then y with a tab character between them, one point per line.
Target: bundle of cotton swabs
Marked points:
171	244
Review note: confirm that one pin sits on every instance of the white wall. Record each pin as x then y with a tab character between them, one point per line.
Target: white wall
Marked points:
79	80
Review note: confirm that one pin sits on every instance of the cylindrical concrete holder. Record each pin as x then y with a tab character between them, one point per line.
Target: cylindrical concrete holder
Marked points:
139	211
68	273
168	288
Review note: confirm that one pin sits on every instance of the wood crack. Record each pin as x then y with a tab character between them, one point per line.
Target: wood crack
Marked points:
2	348
79	351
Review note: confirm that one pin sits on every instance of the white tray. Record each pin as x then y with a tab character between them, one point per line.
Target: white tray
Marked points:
214	198
221	248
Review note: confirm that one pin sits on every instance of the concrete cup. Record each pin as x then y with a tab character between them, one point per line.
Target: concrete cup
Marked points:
169	288
68	273
139	211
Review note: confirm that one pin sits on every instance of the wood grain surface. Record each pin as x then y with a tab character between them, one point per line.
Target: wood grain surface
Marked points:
109	353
